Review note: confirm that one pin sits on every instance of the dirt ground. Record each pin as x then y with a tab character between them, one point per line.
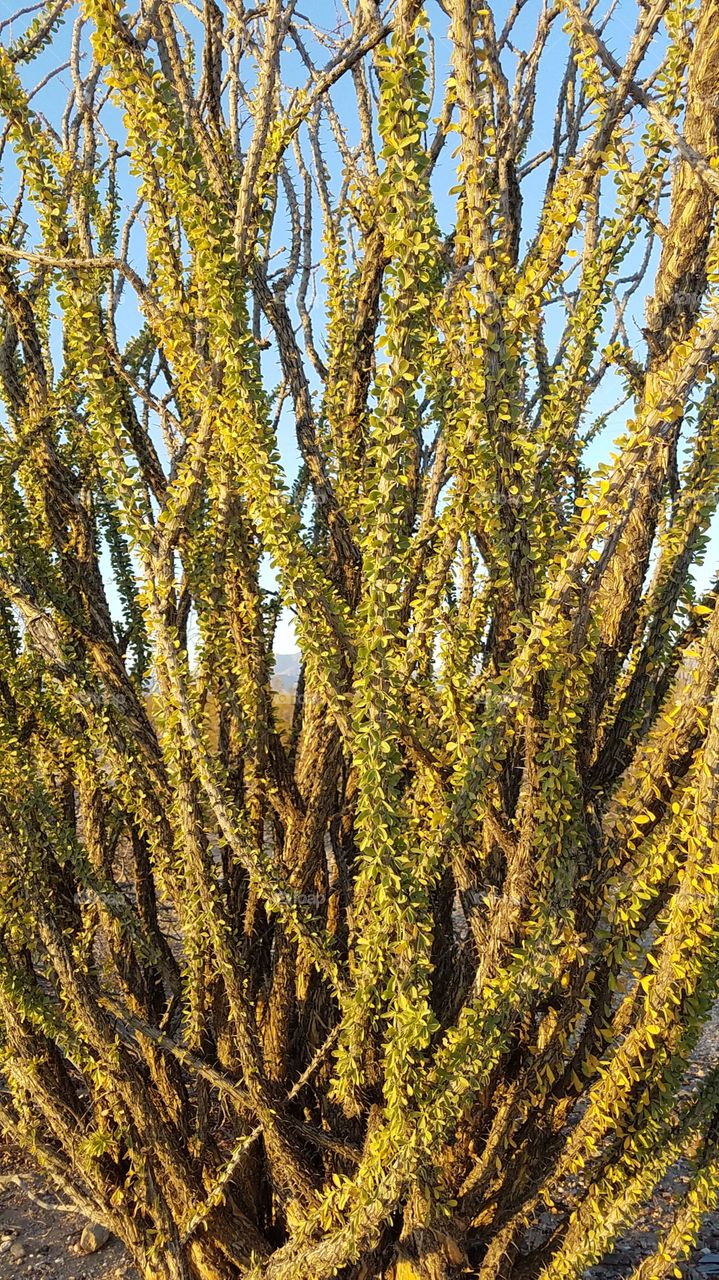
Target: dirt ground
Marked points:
39	1242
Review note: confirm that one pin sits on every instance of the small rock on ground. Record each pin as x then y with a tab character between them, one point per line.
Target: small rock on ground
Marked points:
94	1237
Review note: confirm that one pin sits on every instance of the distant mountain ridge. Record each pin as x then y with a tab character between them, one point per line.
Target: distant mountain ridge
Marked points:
287	671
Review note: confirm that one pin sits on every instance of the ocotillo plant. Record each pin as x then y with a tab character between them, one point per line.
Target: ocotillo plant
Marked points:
324	314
